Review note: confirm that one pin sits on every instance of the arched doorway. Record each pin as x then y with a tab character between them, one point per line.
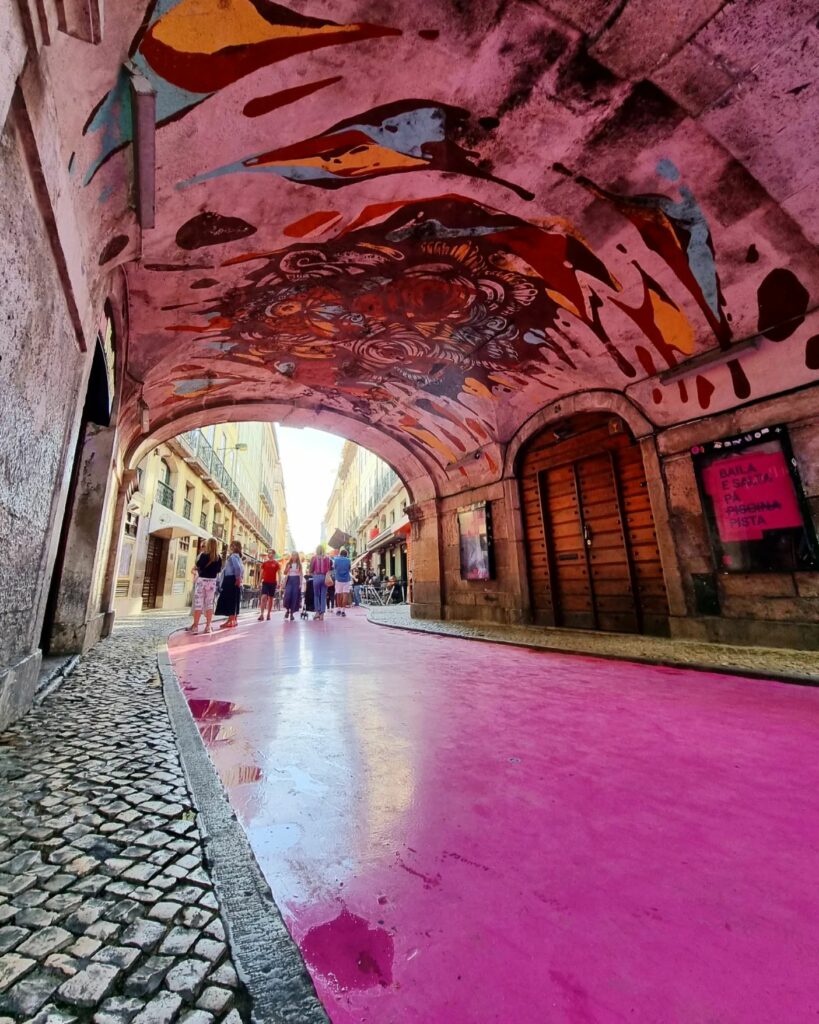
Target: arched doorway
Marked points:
591	544
68	606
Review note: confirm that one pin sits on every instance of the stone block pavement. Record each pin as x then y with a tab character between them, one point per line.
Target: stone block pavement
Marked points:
108	911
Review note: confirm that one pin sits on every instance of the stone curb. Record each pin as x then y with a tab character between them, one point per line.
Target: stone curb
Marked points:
56	679
267	959
792	678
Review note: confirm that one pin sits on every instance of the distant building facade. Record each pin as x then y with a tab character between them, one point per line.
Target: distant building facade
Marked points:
368	503
224	481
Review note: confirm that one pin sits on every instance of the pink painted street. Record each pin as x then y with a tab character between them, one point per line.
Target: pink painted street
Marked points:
463	833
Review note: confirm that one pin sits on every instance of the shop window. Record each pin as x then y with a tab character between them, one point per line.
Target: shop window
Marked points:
754	505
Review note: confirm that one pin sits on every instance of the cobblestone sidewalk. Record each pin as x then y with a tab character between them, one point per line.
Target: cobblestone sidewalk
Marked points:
107	909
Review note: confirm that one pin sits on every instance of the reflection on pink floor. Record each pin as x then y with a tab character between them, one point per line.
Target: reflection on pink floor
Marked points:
462	833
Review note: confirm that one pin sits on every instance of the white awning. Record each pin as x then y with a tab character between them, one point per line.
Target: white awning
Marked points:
165	523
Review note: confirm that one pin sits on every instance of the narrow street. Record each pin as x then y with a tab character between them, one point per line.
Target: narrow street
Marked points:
468	833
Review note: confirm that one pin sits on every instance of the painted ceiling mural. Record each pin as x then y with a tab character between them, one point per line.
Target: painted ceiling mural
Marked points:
388	219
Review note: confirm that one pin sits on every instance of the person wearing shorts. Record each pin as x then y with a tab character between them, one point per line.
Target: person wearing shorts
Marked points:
344	581
208	567
270	577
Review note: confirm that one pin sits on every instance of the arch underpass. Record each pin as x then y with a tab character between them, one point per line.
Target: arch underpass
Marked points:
429	229
434	226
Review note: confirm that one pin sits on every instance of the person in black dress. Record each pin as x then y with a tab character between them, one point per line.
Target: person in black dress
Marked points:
230	596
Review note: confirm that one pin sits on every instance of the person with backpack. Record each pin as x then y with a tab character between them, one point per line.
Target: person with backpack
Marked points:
320	566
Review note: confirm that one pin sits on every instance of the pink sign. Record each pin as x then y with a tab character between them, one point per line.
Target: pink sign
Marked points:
752	494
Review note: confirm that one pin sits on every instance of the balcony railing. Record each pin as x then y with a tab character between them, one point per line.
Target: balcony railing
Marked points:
164	494
203	520
219	531
197	444
187	509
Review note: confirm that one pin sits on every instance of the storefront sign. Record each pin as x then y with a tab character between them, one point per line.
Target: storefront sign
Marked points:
753	503
752	494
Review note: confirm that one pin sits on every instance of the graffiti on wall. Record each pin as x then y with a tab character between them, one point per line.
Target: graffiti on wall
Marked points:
410	135
435	315
438	303
190	49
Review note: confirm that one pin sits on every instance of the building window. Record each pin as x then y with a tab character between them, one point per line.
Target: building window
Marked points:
392	517
187	508
131	523
164	491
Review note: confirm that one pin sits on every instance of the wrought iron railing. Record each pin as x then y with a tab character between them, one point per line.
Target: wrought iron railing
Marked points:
164	494
198	445
187	508
203	520
218	531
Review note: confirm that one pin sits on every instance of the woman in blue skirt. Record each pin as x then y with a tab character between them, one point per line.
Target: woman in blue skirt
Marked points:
293	573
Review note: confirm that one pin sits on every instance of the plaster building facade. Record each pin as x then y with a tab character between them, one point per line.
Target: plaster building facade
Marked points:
368	502
592	363
225	482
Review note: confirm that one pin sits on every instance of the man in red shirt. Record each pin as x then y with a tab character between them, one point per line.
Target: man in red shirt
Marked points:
270	575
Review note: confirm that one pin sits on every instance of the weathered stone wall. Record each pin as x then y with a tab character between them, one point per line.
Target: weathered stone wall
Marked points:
769	609
505	597
41	376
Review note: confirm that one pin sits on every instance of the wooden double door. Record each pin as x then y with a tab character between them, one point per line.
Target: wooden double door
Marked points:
593	556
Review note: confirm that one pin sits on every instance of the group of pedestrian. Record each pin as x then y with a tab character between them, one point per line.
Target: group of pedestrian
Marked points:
218	585
325	576
213	577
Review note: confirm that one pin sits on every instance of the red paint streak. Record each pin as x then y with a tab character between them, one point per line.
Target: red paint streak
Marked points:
428	33
704	391
475	426
349	952
656	396
742	386
643	315
211	709
264	104
683	390
246	257
312	222
490	462
646	361
209	72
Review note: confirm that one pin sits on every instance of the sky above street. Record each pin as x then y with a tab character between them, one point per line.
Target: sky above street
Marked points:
309	462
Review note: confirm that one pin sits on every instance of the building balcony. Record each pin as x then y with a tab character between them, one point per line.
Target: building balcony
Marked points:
164	494
187	509
203	520
199	451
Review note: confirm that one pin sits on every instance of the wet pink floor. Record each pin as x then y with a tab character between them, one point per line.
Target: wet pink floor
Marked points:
461	833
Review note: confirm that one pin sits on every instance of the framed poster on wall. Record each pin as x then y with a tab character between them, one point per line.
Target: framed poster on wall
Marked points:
754	505
475	541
